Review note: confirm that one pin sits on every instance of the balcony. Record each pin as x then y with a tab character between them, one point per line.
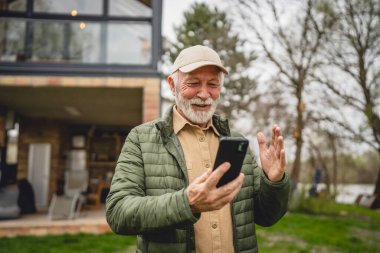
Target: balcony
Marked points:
102	37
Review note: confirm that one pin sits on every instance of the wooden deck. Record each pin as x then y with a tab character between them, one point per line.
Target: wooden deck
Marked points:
89	221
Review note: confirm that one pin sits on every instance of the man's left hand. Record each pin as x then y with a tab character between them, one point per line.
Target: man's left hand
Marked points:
272	158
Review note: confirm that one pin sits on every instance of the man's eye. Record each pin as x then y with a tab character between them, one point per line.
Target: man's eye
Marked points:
193	84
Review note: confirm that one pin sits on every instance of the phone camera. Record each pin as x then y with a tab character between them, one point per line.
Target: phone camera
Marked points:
241	147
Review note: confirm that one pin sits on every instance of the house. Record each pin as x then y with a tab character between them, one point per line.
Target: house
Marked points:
75	77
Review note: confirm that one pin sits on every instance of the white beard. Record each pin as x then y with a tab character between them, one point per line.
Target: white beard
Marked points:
196	117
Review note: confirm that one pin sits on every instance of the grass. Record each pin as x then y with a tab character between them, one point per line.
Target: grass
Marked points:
330	228
306	233
323	226
80	243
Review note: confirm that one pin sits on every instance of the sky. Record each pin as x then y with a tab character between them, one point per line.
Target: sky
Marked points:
172	14
172	11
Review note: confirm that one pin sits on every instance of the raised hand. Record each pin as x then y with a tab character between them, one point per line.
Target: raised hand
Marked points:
272	158
203	194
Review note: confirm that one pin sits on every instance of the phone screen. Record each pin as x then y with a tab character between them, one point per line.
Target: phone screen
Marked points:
232	150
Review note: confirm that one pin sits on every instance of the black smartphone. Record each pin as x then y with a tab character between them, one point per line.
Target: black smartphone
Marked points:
232	150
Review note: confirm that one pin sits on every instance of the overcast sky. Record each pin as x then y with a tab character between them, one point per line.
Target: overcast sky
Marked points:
172	13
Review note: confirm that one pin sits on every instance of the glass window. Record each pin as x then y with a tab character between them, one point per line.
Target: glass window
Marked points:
90	42
72	7
85	43
129	43
72	42
134	8
12	32
48	41
17	5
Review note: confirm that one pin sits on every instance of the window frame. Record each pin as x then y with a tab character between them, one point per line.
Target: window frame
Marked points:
91	69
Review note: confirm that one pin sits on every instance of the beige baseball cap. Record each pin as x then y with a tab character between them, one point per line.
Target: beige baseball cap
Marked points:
195	57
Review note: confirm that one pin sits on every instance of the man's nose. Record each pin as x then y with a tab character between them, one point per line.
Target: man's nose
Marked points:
203	93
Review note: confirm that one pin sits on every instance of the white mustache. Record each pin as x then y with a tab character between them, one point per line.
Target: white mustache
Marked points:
198	101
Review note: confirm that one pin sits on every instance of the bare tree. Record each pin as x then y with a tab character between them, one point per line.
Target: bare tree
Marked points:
352	75
293	48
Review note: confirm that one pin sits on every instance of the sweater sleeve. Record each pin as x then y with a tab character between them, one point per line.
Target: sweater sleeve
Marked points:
129	210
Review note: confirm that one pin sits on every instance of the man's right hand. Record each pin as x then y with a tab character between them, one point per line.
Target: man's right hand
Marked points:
203	194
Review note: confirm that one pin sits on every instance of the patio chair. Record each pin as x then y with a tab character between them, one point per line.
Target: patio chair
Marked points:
93	196
68	205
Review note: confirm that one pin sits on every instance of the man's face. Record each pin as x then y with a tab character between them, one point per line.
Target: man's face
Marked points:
197	94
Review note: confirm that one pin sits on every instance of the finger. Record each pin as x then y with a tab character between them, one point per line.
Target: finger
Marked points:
238	187
229	191
282	159
277	133
217	174
261	141
202	178
280	139
231	186
274	134
280	146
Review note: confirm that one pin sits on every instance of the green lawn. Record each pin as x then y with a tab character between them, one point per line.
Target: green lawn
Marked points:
310	233
80	243
323	227
335	229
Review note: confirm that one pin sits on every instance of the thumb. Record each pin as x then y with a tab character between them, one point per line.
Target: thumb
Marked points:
262	143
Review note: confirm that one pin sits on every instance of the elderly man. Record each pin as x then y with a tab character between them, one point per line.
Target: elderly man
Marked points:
164	189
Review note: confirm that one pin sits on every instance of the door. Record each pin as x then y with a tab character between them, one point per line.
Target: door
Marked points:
39	171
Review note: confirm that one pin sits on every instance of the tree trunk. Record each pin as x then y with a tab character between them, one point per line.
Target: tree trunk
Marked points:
326	178
294	177
377	184
335	165
376	203
296	164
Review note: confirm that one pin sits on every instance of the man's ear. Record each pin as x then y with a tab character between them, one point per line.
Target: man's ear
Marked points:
171	84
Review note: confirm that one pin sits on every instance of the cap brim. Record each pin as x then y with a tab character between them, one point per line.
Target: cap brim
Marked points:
192	66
